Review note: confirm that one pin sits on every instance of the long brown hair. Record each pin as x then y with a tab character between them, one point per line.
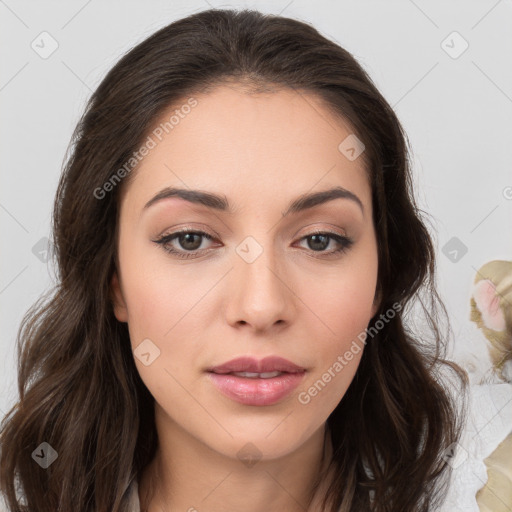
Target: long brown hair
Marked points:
79	389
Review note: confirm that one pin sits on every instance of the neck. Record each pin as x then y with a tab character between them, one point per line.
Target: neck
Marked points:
186	475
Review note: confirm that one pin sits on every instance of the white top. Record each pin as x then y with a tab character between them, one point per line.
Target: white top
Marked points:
134	502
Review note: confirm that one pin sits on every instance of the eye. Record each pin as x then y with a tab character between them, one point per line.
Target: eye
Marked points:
190	242
318	241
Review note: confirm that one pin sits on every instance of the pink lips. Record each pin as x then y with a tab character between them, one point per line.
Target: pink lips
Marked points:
250	364
256	390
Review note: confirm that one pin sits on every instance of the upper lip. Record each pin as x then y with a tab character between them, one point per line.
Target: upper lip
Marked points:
250	364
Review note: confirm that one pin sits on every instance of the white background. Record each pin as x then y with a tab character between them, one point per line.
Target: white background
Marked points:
457	113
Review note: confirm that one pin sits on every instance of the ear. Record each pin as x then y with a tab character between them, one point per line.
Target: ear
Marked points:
116	295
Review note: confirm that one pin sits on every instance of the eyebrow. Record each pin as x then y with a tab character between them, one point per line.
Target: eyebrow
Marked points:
221	203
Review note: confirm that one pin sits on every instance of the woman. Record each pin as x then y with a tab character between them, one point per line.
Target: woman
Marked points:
238	245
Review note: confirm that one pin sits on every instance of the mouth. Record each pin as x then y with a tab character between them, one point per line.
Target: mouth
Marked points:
254	375
256	389
249	367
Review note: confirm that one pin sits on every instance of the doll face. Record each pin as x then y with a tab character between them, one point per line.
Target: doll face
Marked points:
254	278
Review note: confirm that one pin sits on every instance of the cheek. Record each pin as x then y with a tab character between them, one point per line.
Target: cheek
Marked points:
164	305
150	314
156	295
351	308
163	314
342	319
337	356
342	304
343	300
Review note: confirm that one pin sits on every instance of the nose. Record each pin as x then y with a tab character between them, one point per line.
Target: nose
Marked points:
260	295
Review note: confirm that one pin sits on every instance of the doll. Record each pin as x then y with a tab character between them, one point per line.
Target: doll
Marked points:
491	310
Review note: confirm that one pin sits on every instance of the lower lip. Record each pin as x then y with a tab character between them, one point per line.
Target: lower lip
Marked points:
256	391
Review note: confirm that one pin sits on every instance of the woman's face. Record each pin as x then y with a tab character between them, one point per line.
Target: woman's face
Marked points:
259	283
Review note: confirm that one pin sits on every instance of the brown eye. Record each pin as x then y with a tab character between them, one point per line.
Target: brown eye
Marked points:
188	241
319	241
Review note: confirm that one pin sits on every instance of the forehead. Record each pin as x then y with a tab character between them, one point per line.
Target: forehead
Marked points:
263	145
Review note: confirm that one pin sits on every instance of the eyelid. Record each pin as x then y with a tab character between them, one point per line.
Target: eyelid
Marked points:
345	242
316	230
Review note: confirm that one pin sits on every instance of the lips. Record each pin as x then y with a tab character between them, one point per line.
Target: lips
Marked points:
250	367
250	381
256	391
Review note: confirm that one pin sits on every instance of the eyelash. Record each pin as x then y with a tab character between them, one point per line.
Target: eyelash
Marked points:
344	241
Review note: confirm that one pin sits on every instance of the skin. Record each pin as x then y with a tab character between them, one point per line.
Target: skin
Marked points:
260	151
